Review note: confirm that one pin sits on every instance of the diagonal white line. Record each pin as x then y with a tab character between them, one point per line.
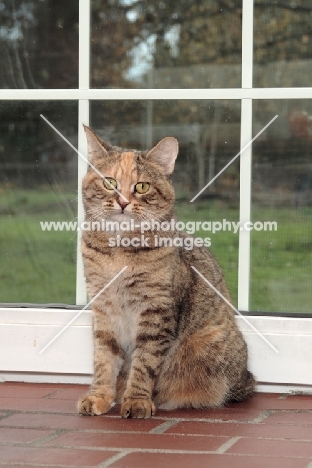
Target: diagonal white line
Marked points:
235	157
235	310
82	156
85	307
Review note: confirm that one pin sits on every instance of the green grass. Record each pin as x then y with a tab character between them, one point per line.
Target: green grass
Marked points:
40	267
36	266
281	261
281	266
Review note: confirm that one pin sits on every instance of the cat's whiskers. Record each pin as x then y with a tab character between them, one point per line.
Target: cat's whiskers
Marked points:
152	216
163	211
95	213
149	218
156	228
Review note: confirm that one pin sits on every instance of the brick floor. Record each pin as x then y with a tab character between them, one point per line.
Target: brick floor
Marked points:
39	427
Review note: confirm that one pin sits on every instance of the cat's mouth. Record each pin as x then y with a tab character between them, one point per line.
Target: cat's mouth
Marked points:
123	216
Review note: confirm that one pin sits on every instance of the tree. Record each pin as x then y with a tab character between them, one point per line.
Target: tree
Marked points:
39	44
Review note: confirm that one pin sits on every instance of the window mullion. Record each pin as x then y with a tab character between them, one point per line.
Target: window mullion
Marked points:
84	43
247	43
245	158
245	206
83	118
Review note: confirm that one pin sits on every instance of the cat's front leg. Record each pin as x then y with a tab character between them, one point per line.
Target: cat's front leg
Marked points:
147	360
108	359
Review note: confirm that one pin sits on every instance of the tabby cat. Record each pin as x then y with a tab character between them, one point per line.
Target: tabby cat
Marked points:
162	337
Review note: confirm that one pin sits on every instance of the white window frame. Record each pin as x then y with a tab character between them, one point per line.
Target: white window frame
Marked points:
24	332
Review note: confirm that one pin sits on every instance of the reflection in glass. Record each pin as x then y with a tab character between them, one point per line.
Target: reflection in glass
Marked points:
282	43
38	44
208	133
281	260
166	44
38	183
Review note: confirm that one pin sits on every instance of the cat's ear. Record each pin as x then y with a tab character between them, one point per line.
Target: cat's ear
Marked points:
164	154
97	148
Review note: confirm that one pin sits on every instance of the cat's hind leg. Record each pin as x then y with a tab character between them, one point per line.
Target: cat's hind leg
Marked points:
244	389
188	380
203	370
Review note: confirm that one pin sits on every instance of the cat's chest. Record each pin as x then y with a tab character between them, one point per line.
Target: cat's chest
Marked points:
133	286
124	323
124	315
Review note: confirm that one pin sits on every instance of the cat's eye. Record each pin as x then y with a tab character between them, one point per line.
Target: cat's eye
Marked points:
142	187
109	183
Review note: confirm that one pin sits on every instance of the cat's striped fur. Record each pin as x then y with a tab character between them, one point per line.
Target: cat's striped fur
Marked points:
162	337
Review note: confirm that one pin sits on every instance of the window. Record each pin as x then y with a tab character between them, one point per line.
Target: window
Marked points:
213	74
39	184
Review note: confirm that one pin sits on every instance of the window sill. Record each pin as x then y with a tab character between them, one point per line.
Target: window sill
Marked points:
24	333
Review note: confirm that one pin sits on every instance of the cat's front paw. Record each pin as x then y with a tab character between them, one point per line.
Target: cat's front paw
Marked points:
93	405
136	408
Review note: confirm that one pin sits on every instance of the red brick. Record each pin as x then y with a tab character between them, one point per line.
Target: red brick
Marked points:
21	436
299	397
69	394
271	448
43	404
266	395
258	402
293	404
76	422
223	414
167	460
25	392
142	441
255	449
289	404
284	417
52	456
44	385
242	430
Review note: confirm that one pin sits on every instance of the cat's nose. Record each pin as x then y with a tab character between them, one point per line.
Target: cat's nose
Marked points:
122	203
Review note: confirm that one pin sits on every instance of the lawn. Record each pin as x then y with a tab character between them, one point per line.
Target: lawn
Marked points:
36	266
281	267
281	260
40	267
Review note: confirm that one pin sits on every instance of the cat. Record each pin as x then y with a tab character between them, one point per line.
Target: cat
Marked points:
162	337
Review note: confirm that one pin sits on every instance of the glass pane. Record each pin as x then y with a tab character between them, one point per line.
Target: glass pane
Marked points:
281	260
282	43
38	183
39	44
208	133
166	44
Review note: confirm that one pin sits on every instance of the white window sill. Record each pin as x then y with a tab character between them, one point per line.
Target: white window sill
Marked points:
24	332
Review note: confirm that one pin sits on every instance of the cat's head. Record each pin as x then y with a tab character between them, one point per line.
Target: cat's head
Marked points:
121	184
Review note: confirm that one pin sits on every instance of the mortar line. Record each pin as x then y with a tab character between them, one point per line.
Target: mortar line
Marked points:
228	444
113	459
261	417
42	440
164	426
